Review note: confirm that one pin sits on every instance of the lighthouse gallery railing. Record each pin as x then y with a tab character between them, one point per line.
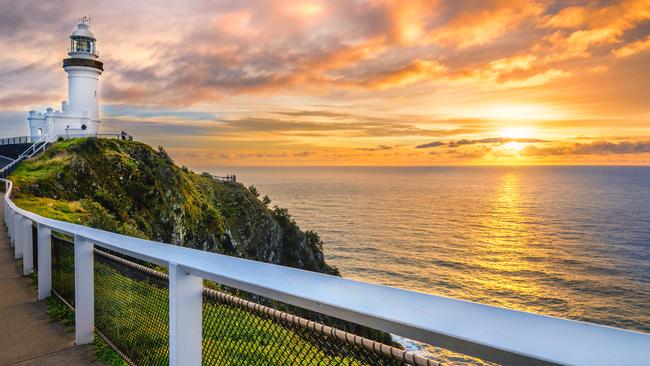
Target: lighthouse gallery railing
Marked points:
497	334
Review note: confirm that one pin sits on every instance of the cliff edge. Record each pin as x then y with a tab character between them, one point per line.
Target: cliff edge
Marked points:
130	188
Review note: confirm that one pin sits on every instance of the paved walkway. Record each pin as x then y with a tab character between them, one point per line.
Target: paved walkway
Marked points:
27	334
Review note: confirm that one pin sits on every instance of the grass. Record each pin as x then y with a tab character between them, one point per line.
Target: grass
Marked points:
133	313
70	211
39	169
131	309
60	312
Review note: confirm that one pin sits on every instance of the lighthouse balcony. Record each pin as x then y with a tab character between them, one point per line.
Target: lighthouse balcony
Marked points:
84	62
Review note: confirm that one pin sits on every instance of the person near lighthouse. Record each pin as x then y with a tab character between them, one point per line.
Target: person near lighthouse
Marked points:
79	115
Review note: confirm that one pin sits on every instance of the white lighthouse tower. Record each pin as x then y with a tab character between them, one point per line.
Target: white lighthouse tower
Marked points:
79	116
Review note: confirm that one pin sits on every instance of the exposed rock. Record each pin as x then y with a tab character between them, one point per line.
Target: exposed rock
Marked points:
127	187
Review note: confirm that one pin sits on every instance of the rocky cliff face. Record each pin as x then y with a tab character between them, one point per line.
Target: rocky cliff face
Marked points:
130	188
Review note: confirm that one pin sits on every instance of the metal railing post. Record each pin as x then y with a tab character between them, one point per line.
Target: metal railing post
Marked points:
28	248
185	307
84	292
44	262
18	240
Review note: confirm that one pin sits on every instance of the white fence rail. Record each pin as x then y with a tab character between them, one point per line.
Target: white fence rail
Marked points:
492	333
17	140
37	146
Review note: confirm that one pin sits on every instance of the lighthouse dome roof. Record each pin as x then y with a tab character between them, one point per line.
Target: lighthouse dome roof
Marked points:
82	31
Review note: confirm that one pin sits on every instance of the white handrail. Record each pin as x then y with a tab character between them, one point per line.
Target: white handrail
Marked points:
492	333
37	146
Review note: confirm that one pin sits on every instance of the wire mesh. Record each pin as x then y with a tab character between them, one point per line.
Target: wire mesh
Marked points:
132	308
132	311
63	268
241	332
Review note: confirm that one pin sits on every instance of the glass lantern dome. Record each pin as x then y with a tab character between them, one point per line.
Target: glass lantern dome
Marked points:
83	42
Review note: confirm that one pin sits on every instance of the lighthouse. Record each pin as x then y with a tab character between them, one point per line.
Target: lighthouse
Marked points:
79	115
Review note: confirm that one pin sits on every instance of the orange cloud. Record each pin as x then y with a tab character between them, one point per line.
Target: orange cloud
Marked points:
595	26
508	64
408	20
593	148
570	17
407	70
633	48
418	70
480	22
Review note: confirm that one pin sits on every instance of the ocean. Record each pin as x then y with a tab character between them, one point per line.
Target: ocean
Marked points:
572	242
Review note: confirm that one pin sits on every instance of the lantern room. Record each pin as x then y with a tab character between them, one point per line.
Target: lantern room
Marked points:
82	41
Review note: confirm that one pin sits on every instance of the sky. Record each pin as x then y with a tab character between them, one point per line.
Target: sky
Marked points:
413	82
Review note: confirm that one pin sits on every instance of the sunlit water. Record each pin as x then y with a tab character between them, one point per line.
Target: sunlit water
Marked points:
565	241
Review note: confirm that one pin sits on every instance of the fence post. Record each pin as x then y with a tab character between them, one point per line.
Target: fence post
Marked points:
44	262
5	211
185	307
84	294
18	240
28	248
8	222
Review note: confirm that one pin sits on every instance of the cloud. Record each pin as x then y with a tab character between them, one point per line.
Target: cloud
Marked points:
303	154
377	148
478	22
208	51
431	144
21	99
417	70
633	48
360	126
472	154
147	113
317	113
594	148
267	74
490	140
497	140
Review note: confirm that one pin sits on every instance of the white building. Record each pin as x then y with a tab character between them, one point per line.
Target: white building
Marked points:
79	116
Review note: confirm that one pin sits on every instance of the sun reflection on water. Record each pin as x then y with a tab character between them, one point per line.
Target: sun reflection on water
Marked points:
528	238
507	245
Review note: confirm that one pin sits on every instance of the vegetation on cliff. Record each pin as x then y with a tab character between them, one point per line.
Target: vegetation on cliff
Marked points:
129	188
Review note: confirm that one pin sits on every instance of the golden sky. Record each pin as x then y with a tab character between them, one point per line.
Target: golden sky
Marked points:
350	82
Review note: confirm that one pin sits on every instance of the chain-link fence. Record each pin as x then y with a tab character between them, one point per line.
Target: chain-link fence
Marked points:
63	268
132	308
132	312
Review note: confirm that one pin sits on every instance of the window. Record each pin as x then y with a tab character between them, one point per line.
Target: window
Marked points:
84	127
83	44
39	133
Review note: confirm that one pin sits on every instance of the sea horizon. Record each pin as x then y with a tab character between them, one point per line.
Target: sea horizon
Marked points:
313	199
533	238
216	167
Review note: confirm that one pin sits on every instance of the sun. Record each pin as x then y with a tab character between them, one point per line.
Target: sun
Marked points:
518	132
513	146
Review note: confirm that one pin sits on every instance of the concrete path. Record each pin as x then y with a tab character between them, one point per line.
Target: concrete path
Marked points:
27	334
